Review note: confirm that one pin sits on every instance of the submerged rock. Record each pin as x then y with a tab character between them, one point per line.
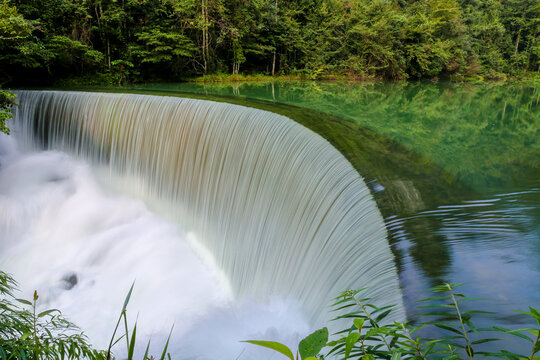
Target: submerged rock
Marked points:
69	281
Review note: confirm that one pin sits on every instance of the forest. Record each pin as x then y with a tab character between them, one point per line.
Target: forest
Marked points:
45	42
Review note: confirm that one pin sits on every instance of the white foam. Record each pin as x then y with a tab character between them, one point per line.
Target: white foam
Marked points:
56	221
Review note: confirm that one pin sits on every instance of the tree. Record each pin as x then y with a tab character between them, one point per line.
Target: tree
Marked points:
43	40
159	47
7	101
375	37
68	53
13	27
521	18
12	24
435	38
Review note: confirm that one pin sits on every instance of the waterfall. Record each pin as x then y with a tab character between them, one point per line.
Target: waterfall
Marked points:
278	208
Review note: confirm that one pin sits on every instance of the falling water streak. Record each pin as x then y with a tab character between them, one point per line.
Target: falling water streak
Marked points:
282	211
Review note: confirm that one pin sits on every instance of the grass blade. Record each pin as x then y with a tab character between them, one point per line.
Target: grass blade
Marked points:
146	351
166	345
132	343
126	301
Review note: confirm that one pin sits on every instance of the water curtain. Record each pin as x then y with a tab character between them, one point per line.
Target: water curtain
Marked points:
281	211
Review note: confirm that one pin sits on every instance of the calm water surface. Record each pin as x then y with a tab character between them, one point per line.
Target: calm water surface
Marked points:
483	138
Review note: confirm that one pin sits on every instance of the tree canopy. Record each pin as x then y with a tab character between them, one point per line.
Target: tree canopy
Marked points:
138	40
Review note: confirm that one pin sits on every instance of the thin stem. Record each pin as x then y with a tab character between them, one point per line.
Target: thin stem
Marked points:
362	342
373	322
469	348
114	333
127	330
534	346
414	343
35	326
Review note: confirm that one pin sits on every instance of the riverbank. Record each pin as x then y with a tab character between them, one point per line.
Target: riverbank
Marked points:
217	78
115	80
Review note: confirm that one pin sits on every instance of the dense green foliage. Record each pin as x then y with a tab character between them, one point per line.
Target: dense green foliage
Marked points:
371	336
131	40
7	99
28	335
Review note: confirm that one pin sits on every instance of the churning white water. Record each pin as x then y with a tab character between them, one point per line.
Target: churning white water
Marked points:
81	247
277	218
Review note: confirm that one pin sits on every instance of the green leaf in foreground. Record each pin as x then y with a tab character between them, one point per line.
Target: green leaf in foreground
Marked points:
312	344
274	346
25	336
352	338
3	354
126	301
359	323
47	312
22	301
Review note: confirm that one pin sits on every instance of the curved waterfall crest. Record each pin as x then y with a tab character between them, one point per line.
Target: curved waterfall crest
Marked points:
281	211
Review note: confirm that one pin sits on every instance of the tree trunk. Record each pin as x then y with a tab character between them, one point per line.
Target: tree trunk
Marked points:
104	38
274	63
108	53
274	58
206	42
517	42
204	34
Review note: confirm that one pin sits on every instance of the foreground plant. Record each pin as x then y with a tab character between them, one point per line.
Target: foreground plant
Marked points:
371	336
308	348
7	103
131	340
27	334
